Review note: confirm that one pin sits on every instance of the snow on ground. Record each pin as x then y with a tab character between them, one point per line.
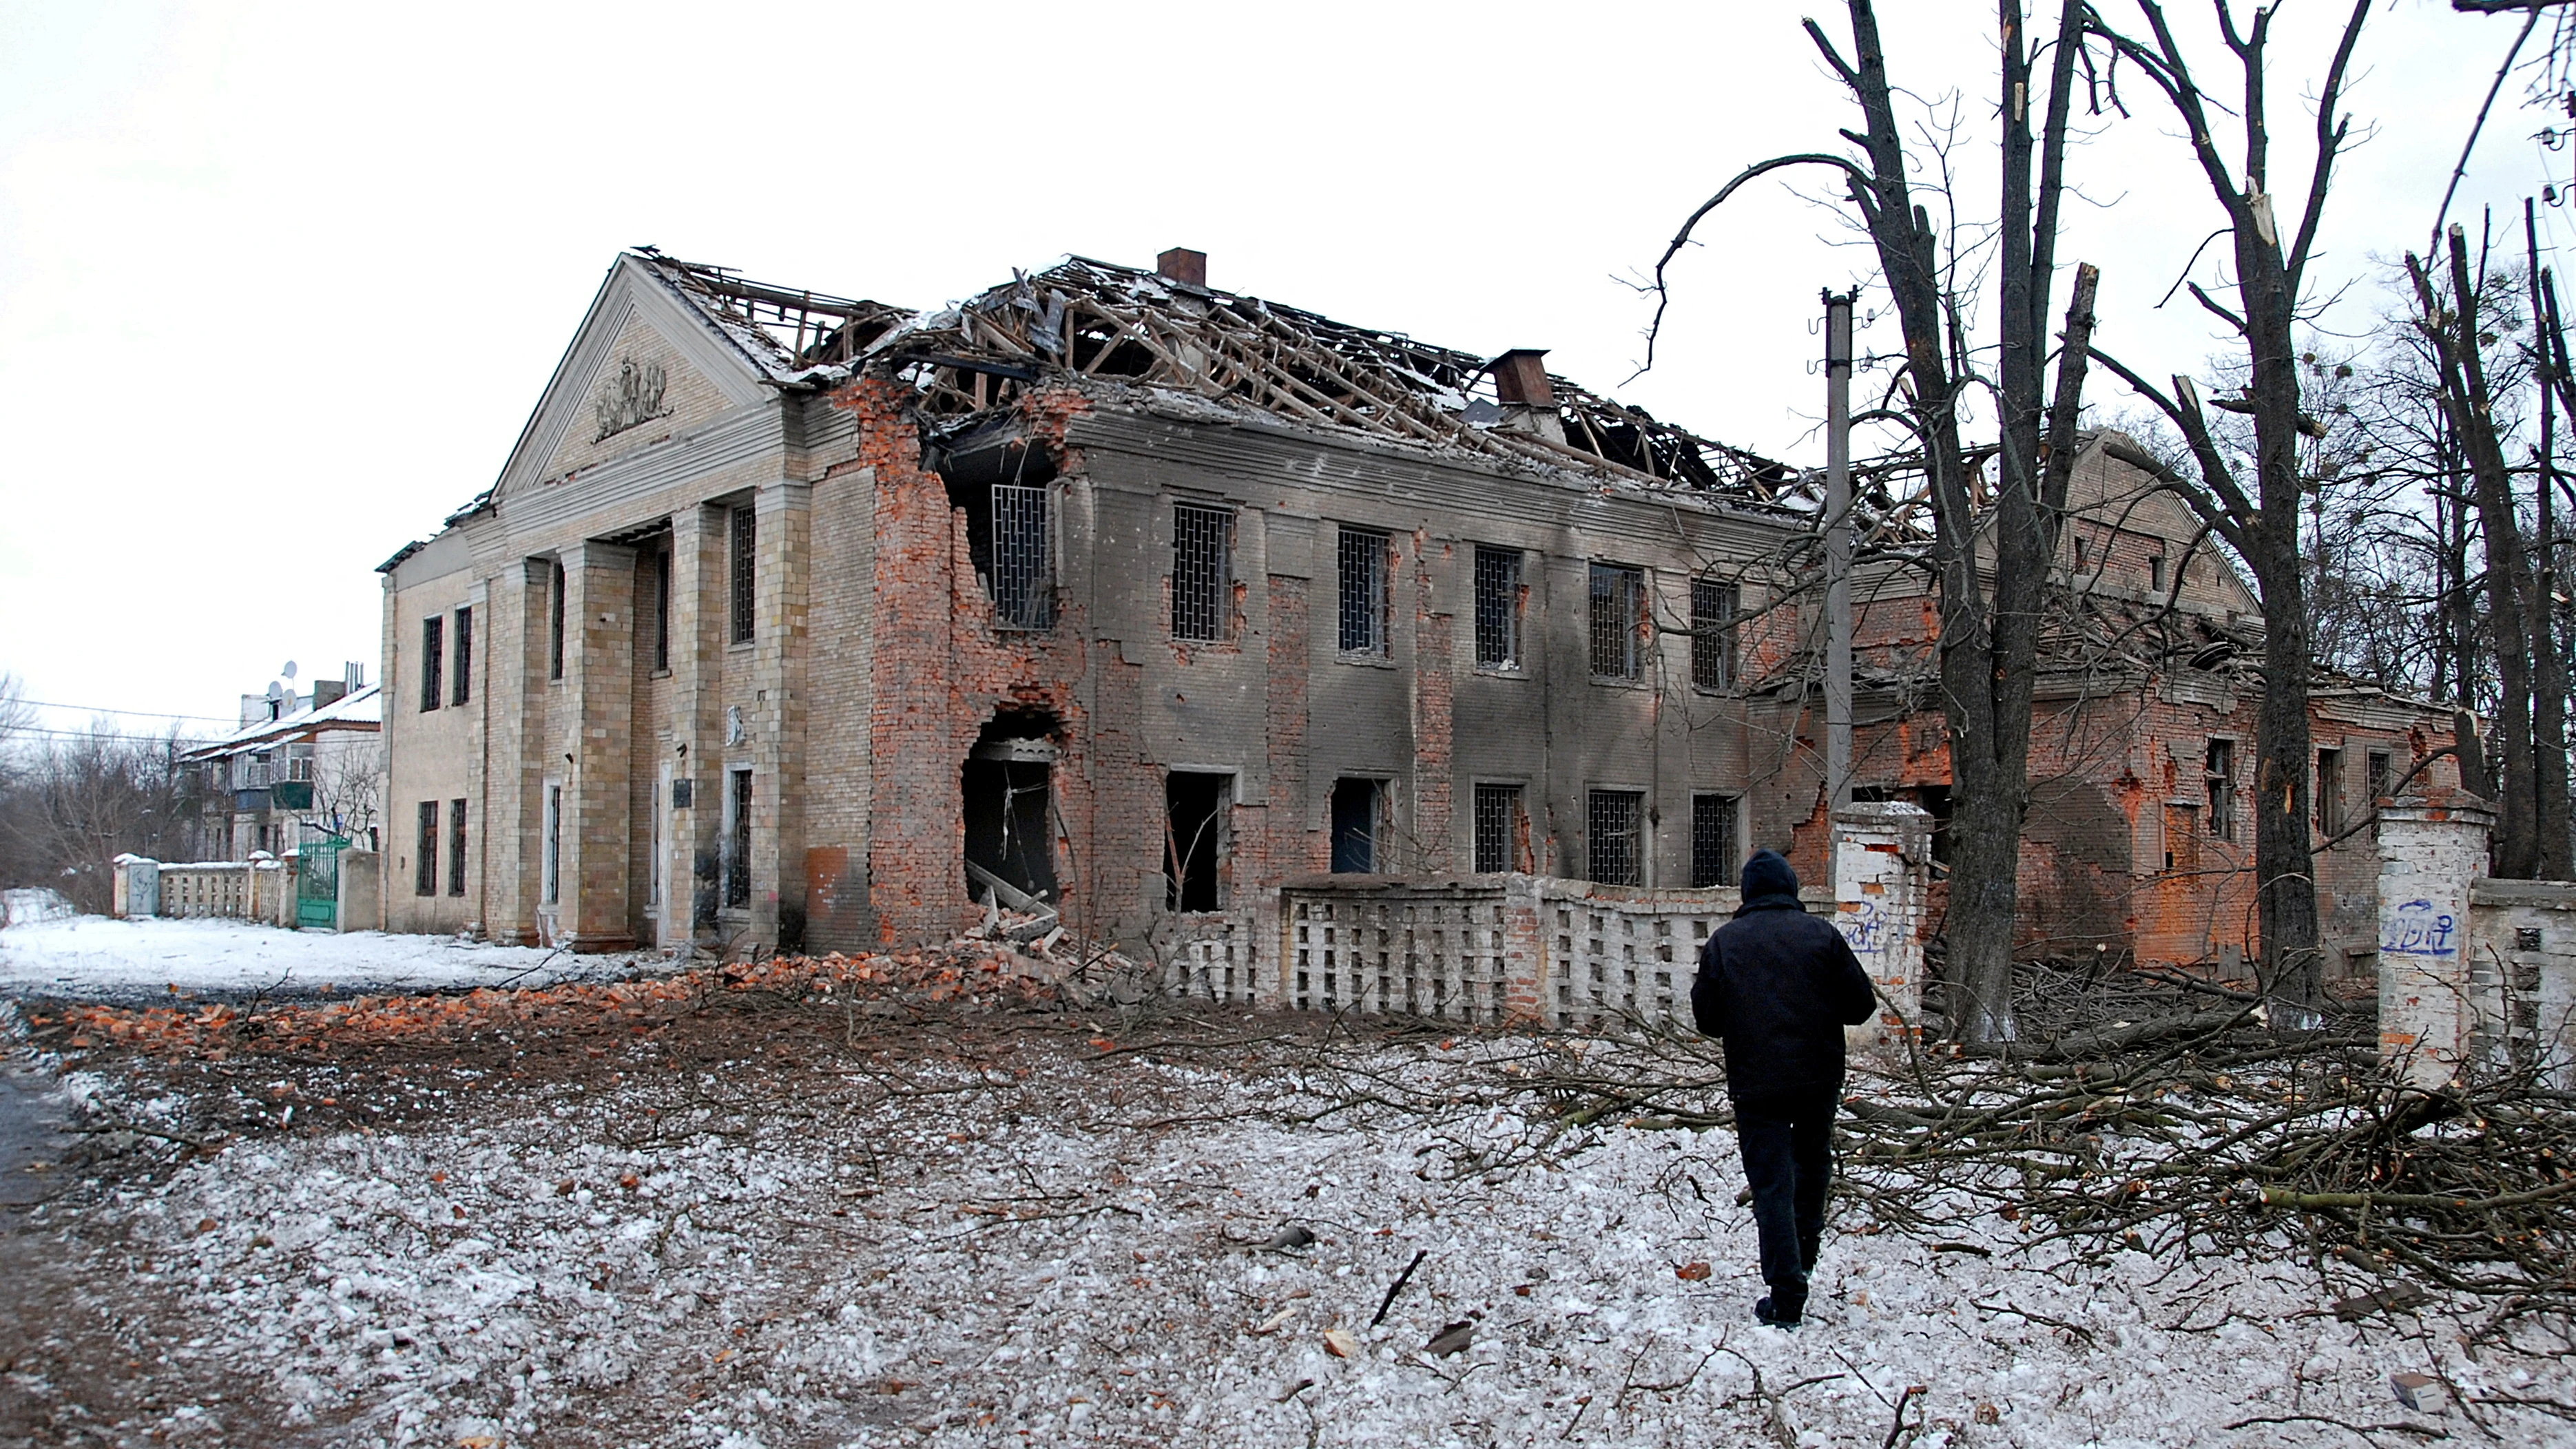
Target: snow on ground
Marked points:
1038	1246
99	957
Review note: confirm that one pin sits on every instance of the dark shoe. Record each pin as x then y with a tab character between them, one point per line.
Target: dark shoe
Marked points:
1764	1313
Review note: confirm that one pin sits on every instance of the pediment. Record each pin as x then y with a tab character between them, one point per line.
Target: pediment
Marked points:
644	366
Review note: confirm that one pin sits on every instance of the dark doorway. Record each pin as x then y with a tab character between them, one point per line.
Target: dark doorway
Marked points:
1194	842
1010	832
1359	807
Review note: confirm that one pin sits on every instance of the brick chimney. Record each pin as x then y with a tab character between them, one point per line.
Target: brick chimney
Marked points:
1184	266
1529	402
1520	376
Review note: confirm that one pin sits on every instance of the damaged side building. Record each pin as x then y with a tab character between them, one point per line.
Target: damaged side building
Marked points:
802	623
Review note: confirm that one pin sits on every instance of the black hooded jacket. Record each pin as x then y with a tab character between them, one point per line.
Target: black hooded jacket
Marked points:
1777	986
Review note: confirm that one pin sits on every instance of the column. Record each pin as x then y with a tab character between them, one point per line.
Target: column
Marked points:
2430	849
515	748
1882	864
695	729
599	678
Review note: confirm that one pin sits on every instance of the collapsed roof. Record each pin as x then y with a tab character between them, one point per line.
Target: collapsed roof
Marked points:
1093	323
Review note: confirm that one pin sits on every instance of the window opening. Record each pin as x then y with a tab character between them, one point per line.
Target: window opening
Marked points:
1359	810
1500	834
1614	840
737	839
1023	567
1363	554
2330	793
1498	608
432	659
745	551
2221	772
2079	553
456	847
555	620
1194	839
425	861
550	871
1714	606
463	690
661	572
1618	615
299	763
2376	779
1202	549
2156	572
1715	856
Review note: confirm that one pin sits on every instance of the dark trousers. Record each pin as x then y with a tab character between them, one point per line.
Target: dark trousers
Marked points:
1787	1144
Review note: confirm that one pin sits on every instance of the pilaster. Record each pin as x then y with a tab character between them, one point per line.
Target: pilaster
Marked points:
775	722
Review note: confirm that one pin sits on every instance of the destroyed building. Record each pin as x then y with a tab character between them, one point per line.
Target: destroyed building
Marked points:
797	622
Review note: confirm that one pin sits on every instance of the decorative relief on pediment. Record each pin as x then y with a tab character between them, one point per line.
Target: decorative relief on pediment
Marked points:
632	396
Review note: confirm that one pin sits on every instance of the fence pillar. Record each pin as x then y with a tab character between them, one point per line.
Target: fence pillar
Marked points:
361	906
1882	859
138	886
2430	849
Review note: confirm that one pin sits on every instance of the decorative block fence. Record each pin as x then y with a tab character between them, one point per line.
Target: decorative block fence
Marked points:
2475	973
1548	952
260	889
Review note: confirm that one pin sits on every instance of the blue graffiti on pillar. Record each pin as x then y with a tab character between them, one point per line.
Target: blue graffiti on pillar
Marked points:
2419	928
1861	925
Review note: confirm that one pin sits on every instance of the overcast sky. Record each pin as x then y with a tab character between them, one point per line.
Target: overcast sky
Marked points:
279	284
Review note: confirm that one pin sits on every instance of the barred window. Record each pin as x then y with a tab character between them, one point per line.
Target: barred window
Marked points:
746	552
456	847
1715	856
425	850
1023	562
659	566
1498	608
1202	571
432	657
1363	591
555	619
550	863
1618	618
1615	837
737	840
1498	828
2221	773
462	690
2330	792
1714	607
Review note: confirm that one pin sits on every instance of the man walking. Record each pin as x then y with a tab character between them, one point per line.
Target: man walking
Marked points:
1776	987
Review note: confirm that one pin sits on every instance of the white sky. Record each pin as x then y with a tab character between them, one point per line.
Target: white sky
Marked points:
279	284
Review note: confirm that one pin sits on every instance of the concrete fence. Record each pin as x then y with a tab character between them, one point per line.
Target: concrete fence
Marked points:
1545	951
260	889
2475	973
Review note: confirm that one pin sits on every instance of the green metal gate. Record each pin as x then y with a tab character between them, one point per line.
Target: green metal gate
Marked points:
317	882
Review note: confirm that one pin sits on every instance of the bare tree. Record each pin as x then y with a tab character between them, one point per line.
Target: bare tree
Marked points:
1991	596
2259	518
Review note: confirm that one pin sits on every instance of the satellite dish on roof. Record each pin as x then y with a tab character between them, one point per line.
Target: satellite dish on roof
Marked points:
276	690
289	670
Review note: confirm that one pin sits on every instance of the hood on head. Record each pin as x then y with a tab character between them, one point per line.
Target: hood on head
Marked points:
1768	874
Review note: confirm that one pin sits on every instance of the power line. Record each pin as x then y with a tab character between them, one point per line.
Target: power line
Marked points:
104	709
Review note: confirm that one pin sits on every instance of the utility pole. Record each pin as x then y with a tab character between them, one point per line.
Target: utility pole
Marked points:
1838	548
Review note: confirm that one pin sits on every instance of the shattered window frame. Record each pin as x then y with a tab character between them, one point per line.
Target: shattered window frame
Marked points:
1717	841
1717	607
1499	605
2219	768
433	661
461	667
425	852
2329	791
1023	577
1362	574
1500	828
1202	572
1614	837
742	578
1615	615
